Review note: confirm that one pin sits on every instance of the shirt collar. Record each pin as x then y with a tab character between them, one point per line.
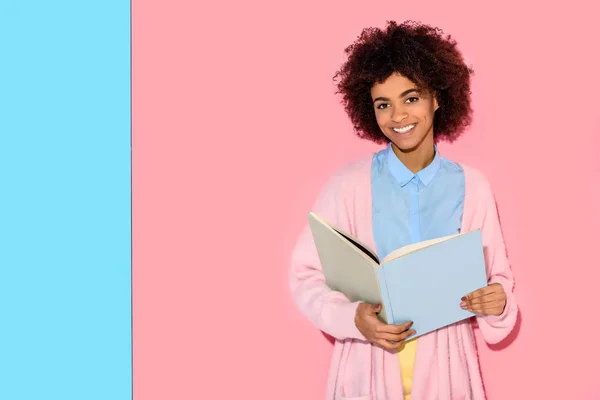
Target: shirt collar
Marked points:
403	175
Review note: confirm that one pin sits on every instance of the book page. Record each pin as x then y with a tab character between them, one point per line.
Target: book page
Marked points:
411	248
347	269
361	246
354	241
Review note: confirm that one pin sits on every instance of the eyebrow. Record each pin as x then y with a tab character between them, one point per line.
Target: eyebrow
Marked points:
401	95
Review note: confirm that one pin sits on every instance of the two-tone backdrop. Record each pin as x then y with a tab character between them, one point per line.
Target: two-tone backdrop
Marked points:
157	160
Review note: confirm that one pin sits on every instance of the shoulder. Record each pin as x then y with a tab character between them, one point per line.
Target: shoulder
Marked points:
357	166
346	181
475	174
352	173
344	187
478	190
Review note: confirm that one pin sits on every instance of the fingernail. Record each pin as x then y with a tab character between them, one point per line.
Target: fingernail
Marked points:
463	304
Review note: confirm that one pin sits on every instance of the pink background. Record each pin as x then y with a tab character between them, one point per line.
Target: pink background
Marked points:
235	129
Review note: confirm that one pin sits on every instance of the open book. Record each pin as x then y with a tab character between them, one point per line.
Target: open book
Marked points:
421	282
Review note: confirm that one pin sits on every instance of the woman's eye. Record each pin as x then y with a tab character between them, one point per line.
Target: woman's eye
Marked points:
382	106
412	99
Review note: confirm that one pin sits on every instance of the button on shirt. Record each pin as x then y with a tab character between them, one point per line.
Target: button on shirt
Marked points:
409	208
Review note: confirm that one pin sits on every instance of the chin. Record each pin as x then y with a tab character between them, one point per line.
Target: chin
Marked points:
406	145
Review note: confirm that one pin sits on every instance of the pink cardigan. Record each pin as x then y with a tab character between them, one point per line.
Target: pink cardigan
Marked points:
446	366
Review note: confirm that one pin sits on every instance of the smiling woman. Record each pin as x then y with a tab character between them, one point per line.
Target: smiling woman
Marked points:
422	54
386	67
407	86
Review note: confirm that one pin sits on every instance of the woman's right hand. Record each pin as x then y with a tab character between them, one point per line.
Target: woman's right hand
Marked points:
390	337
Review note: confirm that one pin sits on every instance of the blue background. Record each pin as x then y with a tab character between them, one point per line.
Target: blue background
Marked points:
65	200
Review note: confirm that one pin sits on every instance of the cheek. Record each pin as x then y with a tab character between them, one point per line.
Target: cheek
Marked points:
426	111
382	121
381	118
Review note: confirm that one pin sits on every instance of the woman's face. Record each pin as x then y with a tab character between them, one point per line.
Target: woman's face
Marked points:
404	113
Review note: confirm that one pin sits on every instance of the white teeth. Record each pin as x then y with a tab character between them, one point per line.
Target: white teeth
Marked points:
405	129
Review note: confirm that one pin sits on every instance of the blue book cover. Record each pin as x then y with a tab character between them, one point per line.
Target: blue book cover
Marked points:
426	285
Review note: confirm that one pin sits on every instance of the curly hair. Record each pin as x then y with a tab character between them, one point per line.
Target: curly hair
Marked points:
422	54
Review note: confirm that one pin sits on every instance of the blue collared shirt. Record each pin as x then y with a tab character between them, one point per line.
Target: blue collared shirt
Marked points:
409	208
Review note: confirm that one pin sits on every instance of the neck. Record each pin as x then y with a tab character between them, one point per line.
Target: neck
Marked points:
418	158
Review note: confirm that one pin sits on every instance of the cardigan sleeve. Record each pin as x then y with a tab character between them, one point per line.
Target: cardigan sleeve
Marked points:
330	311
495	328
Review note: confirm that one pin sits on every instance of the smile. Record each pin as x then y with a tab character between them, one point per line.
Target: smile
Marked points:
406	129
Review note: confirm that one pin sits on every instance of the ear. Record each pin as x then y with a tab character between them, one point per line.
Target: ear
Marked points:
435	102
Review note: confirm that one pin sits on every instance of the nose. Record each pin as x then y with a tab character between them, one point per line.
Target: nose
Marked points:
399	114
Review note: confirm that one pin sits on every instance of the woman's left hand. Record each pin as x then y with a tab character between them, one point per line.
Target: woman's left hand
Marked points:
489	300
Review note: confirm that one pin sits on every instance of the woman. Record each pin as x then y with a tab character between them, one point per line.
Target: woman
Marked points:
406	86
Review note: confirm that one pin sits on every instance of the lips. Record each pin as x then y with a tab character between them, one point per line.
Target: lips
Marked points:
405	129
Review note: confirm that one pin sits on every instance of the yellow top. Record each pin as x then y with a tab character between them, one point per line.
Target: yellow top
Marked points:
406	357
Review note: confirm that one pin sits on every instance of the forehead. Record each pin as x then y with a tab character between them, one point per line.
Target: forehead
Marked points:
392	86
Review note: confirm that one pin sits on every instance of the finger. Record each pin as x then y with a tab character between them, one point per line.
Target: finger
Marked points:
394	329
396	345
395	337
466	301
494	288
407	335
477	293
491	298
387	345
488	309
